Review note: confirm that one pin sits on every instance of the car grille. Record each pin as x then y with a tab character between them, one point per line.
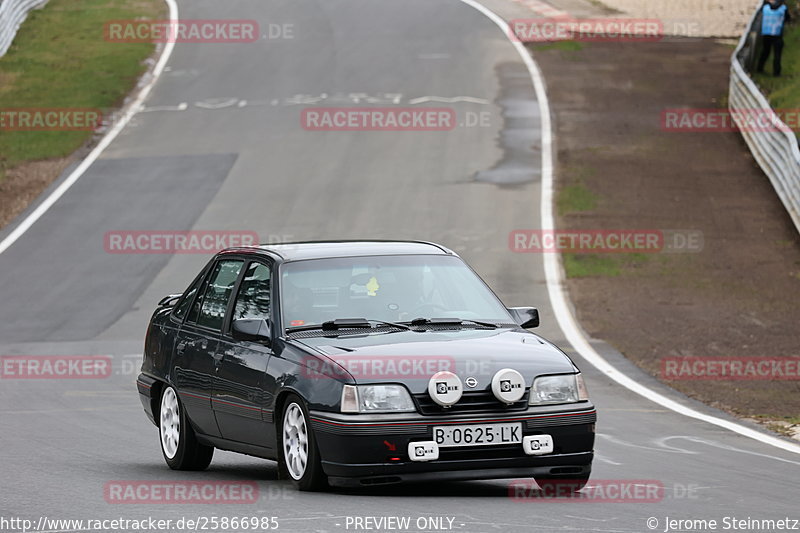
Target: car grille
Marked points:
470	402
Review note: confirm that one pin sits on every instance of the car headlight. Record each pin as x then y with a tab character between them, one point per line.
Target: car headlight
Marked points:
376	399
566	388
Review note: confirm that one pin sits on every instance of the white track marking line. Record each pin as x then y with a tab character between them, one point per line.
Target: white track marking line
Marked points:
554	276
662	442
663	449
183	106
603	459
214	103
42	208
469	99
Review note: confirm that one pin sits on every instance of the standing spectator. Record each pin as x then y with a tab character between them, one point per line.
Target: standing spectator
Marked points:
774	16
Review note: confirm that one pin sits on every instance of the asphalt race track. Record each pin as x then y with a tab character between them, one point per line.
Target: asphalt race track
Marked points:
235	157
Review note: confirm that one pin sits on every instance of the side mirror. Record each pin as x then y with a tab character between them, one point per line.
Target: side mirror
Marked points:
170	300
526	317
252	329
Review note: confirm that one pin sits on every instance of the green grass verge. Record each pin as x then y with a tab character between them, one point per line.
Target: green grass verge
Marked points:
597	265
60	59
575	198
784	92
787	419
563	46
779	424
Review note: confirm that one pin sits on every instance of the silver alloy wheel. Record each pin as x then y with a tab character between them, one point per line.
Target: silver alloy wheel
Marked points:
295	441
170	426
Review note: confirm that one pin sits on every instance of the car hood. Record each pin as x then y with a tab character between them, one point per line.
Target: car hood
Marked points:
413	357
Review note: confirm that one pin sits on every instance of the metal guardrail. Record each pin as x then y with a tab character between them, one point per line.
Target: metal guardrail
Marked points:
12	15
774	148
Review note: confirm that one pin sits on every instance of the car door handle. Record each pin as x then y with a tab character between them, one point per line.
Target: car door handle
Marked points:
181	347
219	356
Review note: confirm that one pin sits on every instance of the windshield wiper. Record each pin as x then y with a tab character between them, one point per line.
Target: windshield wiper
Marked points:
449	322
346	323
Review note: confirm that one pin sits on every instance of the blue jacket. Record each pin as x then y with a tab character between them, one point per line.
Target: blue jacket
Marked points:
773	19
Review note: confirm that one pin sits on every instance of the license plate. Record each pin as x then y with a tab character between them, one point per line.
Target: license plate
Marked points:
477	435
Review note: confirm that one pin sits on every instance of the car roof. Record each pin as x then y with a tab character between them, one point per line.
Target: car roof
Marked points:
297	251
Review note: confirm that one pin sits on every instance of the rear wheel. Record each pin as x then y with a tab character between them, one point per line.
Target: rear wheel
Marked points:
179	444
300	454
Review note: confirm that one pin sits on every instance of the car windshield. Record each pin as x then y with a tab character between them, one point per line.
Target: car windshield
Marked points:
385	288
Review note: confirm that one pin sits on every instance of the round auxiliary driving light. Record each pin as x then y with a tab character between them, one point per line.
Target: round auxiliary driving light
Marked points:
508	385
445	388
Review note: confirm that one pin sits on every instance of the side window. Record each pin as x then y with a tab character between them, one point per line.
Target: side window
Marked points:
211	311
194	310
254	293
188	297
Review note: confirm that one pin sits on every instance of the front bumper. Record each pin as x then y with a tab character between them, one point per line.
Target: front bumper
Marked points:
364	450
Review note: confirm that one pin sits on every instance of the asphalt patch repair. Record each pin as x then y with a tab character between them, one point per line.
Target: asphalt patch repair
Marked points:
618	168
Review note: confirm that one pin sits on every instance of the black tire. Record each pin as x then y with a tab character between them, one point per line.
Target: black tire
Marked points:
189	454
562	487
310	477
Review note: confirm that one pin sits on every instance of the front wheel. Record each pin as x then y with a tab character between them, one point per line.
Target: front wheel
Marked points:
301	457
179	444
